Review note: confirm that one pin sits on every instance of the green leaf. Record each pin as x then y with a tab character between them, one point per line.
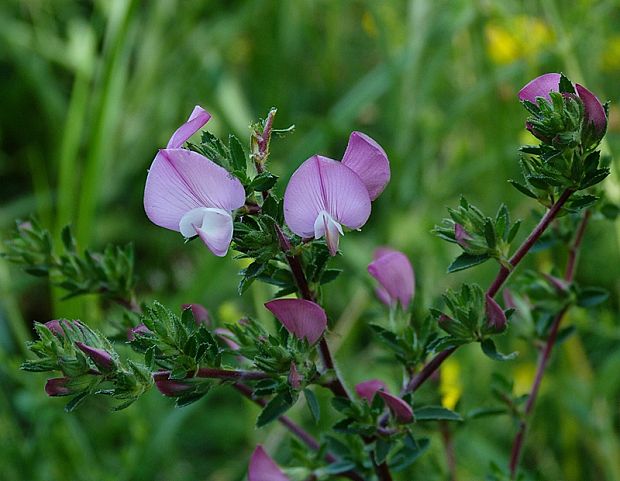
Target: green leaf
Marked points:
566	86
465	261
76	401
67	239
329	275
523	189
591	296
313	405
263	181
277	406
485	411
489	233
436	413
489	348
238	159
382	449
338	467
412	450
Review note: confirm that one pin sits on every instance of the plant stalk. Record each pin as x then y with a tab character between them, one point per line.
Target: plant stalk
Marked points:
571	265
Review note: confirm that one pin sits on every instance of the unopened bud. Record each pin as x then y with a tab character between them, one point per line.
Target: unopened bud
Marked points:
170	387
100	357
58	387
294	378
496	318
461	236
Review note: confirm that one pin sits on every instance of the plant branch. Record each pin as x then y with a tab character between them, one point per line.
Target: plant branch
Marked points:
545	355
296	429
213	373
495	286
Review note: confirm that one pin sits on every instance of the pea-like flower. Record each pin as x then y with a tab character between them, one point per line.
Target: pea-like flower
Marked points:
324	195
401	411
550	82
190	194
304	319
395	275
263	468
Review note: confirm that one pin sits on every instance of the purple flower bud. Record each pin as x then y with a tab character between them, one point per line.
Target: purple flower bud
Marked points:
395	275
58	386
58	327
170	387
461	236
545	84
100	357
496	319
367	389
401	411
509	301
225	335
294	378
263	468
140	329
560	285
201	315
304	319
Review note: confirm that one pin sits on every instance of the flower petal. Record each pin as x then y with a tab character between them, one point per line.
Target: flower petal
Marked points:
594	111
100	357
226	335
496	318
180	180
58	386
304	319
198	118
367	389
322	184
369	161
263	468
216	231
400	409
324	225
540	87
395	274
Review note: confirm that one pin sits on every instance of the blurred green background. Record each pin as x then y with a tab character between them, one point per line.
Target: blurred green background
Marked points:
90	90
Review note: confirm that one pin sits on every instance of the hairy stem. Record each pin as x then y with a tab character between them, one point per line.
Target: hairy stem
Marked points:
296	430
335	385
495	286
545	355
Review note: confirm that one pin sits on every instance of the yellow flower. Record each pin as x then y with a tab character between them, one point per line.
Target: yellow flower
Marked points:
516	38
611	55
450	386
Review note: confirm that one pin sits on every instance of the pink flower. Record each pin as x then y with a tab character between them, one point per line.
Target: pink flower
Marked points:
263	468
395	275
550	82
58	386
496	318
100	357
323	194
170	387
190	194
304	319
401	411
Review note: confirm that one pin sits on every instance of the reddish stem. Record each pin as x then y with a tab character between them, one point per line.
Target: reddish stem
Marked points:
545	355
297	430
496	285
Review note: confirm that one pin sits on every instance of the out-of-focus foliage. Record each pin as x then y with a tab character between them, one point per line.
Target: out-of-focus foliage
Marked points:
91	89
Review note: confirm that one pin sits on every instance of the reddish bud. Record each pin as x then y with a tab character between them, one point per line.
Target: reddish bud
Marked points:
294	378
100	357
496	318
58	387
170	387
